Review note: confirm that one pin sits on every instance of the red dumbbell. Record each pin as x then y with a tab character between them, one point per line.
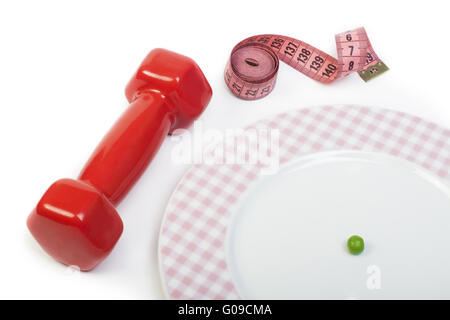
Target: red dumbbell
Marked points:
75	221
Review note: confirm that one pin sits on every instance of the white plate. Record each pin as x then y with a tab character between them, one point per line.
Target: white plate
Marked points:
230	232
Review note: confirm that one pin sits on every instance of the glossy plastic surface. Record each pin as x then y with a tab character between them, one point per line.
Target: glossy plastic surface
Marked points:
128	147
178	79
75	221
75	224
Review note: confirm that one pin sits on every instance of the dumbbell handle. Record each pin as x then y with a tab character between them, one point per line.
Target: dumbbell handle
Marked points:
128	147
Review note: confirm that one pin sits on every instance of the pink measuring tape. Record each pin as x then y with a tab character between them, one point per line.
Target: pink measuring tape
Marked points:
252	68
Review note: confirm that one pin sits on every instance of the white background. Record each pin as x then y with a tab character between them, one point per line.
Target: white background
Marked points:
63	69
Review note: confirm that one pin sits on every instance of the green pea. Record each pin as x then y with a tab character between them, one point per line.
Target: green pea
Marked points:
355	244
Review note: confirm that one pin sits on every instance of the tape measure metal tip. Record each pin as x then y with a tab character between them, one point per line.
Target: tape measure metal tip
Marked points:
373	71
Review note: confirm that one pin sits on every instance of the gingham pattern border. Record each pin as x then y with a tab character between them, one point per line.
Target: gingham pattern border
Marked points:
192	242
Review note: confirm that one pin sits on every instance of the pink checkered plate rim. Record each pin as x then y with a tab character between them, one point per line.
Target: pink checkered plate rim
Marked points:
192	252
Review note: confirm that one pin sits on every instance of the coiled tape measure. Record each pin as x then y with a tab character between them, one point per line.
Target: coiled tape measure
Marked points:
252	68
